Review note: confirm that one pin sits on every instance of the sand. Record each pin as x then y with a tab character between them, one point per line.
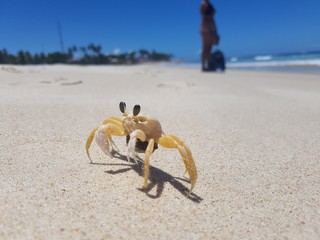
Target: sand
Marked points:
255	138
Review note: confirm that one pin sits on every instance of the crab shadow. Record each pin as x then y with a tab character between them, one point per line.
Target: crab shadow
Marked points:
157	178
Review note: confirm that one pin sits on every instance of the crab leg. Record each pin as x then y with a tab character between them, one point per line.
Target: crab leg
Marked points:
138	134
103	138
172	141
148	152
116	121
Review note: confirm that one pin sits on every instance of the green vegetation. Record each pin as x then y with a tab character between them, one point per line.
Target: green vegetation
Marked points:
91	54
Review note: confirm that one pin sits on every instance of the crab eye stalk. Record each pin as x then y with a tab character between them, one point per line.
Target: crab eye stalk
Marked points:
136	110
122	107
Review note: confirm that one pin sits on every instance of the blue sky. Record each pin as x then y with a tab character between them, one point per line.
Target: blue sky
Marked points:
247	27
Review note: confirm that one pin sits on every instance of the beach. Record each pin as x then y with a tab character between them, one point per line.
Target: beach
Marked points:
254	136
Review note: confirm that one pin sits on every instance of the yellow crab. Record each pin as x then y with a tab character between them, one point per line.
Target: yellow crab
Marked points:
143	134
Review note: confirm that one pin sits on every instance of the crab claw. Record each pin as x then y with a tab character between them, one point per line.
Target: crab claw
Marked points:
89	141
102	135
134	136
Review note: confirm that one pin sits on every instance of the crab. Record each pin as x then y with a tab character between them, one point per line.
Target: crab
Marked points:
143	134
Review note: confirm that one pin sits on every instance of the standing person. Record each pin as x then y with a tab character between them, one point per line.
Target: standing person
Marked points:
208	33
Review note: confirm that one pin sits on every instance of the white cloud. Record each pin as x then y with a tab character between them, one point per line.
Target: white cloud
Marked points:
117	51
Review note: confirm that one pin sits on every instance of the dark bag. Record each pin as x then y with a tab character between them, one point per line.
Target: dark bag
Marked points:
217	62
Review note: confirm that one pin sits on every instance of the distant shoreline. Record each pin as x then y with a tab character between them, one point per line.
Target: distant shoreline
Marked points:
308	62
302	69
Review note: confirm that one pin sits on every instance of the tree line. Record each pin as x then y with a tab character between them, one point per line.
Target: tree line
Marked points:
91	54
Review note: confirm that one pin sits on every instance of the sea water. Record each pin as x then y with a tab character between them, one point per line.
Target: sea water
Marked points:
293	62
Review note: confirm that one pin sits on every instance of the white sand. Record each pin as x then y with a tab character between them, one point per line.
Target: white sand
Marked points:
255	138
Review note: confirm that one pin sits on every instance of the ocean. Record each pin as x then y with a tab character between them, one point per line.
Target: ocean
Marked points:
308	62
293	62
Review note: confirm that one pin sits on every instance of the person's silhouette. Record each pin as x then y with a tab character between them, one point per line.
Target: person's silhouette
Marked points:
208	32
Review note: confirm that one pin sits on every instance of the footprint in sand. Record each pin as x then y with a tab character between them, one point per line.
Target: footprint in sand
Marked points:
71	83
60	79
46	82
63	82
175	85
11	70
